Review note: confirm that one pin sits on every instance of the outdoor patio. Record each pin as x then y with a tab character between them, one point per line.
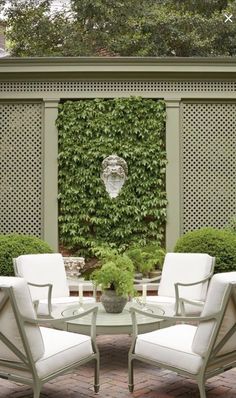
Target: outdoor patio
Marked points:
149	382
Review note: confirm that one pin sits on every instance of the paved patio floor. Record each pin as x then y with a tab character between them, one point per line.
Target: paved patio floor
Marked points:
149	382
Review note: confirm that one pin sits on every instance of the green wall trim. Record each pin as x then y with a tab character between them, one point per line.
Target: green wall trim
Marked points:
197	67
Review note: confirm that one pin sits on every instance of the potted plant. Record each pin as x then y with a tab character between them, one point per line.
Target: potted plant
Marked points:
147	260
116	279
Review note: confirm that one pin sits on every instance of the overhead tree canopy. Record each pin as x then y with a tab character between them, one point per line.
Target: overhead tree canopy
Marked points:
125	28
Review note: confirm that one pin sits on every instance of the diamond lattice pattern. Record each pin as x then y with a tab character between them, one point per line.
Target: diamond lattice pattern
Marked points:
21	168
208	165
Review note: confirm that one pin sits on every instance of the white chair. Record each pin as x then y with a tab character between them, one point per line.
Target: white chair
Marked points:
201	351
183	283
46	276
33	355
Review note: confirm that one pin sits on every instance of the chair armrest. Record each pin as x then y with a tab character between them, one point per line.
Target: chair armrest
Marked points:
195	283
180	300
173	319
181	304
177	318
55	321
198	303
36	302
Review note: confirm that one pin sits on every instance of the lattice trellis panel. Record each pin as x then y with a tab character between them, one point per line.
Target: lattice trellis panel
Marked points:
131	86
208	165
20	168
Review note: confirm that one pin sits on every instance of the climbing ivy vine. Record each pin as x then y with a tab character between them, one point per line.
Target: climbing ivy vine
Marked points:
89	131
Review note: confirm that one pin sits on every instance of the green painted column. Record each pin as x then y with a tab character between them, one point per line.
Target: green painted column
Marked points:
50	191
173	178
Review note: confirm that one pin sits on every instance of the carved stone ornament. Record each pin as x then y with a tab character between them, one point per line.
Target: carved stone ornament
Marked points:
114	174
73	265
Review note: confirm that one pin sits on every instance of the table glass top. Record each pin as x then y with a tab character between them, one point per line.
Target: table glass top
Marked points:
108	319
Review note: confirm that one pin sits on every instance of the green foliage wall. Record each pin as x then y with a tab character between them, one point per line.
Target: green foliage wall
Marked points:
89	131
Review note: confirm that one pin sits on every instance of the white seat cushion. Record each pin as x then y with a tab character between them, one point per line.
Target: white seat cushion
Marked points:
60	303
168	305
62	349
171	346
161	299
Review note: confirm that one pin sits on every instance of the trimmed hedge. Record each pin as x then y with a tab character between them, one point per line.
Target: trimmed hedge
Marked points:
218	243
13	245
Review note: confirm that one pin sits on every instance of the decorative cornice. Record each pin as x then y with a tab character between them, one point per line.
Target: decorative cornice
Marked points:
101	66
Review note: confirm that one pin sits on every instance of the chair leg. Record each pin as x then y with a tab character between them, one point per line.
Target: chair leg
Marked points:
201	387
36	389
131	375
96	374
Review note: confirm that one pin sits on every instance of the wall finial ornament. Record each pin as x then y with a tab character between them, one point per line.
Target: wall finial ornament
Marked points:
114	174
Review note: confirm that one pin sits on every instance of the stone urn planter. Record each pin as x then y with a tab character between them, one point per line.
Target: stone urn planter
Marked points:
112	302
154	274
115	277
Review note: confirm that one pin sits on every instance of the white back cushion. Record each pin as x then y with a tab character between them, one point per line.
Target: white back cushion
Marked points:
217	289
41	269
8	325
185	268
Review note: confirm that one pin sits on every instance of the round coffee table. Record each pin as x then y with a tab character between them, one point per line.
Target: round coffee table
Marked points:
113	323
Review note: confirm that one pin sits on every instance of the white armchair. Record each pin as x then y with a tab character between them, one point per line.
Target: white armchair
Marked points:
46	276
33	355
183	283
201	351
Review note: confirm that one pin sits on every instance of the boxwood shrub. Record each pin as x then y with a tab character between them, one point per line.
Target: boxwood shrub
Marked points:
216	242
12	246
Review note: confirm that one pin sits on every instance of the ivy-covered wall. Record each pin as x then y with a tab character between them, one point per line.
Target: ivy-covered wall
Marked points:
89	131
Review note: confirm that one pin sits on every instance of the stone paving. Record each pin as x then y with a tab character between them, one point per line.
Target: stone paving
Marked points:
150	382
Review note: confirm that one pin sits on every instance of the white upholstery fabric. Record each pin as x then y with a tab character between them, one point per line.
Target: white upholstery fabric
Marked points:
185	268
60	303
161	299
8	325
171	346
168	305
228	322
218	286
62	349
41	269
